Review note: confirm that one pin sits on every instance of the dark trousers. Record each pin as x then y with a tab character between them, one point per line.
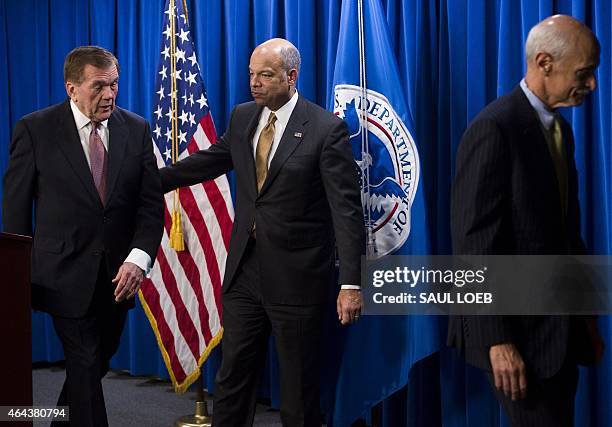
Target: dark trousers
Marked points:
247	323
549	402
89	342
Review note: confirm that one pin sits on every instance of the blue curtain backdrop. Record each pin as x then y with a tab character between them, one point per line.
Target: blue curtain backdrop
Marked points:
454	57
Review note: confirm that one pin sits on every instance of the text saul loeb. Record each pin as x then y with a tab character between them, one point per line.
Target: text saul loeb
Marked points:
438	278
434	298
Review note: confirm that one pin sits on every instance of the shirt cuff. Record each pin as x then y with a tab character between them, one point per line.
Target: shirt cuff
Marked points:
141	259
353	287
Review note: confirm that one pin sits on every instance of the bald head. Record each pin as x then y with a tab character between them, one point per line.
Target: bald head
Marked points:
562	56
286	51
556	36
273	72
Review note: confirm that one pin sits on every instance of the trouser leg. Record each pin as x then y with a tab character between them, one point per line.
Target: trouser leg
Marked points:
89	342
297	331
244	346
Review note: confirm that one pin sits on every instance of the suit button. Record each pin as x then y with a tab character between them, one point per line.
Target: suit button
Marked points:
96	253
105	220
257	204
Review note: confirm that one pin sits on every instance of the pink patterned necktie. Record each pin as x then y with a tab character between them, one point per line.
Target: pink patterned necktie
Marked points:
97	160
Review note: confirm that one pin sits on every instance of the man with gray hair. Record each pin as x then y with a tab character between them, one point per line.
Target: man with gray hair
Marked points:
515	192
297	197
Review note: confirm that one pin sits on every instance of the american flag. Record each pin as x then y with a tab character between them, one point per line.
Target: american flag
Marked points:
182	297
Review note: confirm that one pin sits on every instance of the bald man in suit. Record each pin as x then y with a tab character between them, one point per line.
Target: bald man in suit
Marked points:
297	199
516	192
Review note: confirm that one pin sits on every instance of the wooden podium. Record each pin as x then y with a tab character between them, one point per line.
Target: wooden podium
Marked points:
15	321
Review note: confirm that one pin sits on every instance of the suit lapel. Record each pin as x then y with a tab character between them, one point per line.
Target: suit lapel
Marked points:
568	140
70	144
294	132
534	133
117	142
247	152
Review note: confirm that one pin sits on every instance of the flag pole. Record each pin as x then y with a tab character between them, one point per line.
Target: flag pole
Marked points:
176	230
202	417
376	411
185	11
365	145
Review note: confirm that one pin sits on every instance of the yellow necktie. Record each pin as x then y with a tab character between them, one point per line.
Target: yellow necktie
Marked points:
262	153
558	154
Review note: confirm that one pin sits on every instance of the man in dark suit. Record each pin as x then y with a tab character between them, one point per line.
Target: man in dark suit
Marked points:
86	169
515	192
296	195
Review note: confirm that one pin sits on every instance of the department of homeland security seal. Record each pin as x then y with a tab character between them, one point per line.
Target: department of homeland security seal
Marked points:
388	167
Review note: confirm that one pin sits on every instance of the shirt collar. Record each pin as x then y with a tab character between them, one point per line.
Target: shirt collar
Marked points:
81	119
283	113
546	115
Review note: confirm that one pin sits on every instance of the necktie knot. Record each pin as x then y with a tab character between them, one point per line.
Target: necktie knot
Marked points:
556	126
271	119
94	126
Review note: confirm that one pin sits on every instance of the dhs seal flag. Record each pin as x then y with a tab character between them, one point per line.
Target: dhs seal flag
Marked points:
368	95
388	165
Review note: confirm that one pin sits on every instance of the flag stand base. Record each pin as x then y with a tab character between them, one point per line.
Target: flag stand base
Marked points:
201	418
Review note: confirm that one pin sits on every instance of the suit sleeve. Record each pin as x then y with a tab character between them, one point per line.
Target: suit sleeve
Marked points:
19	183
150	210
339	175
202	165
479	208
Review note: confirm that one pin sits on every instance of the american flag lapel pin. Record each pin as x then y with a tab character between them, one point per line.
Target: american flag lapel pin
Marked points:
297	134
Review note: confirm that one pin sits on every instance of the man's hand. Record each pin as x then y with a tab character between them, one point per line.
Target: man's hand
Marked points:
349	305
508	370
128	280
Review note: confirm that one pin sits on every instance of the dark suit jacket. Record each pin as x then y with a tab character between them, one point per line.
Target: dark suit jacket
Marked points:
311	195
505	200
74	232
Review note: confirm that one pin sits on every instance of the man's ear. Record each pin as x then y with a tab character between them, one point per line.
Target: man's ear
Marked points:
544	62
292	76
71	90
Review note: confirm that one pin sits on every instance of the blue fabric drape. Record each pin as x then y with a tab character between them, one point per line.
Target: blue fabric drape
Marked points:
395	343
454	57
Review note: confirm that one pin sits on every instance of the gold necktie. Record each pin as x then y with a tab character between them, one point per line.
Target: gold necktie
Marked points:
262	153
558	154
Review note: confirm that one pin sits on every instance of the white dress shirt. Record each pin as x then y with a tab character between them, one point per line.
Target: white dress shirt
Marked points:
282	118
546	115
83	124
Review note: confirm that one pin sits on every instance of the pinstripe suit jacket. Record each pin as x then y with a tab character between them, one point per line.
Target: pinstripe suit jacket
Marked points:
505	200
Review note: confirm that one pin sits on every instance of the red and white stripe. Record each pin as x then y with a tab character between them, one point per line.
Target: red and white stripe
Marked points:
182	296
